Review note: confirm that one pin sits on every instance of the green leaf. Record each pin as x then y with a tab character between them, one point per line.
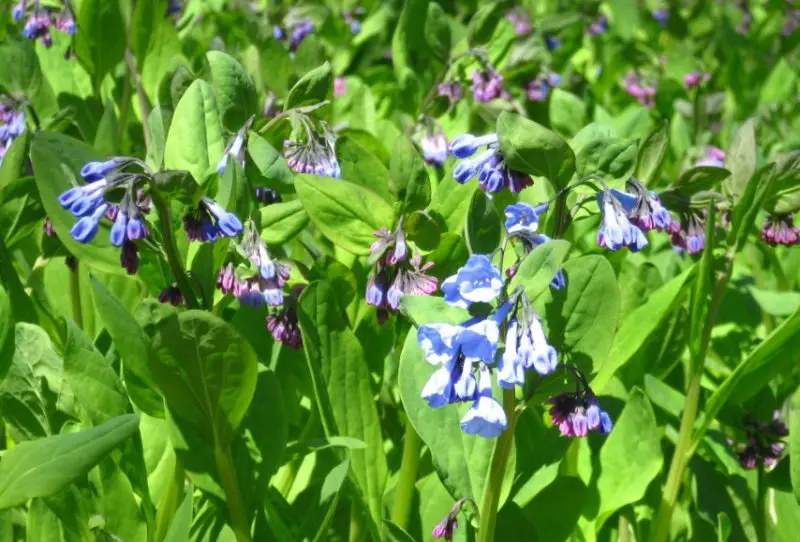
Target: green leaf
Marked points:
348	386
651	155
567	112
146	17
206	371
626	19
6	333
771	357
776	303
794	443
233	88
483	22
163	60
195	142
424	309
123	516
43	467
741	160
612	158
484	225
133	347
22	307
749	205
531	148
781	84
637	327
437	32
275	67
540	267
265	166
462	461
356	108
100	42
582	327
554	512
395	533
700	178
280	222
22	77
408	178
15	162
57	160
359	166
630	458
97	387
346	213
312	88
179	529
452	200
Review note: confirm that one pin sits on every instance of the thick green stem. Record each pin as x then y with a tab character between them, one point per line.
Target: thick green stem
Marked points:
171	250
168	503
233	497
289	475
497	471
404	492
761	506
75	294
561	215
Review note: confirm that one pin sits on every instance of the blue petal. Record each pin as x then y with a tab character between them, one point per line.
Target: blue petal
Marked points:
485	418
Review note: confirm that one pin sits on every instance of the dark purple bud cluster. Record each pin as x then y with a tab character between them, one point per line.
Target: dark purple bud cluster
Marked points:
172	295
764	443
577	413
644	93
452	90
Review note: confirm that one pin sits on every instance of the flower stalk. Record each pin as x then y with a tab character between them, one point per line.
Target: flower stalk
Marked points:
404	492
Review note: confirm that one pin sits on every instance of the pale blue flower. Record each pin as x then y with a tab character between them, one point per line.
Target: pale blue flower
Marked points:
477	282
486	417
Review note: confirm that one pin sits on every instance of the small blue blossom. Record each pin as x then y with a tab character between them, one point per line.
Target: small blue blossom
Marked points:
479	281
552	41
86	228
466	145
486	417
278	33
234	150
616	230
18	10
489	166
95	171
522	219
209	221
119	229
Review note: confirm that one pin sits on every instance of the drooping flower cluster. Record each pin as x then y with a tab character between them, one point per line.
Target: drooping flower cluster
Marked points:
296	27
430	138
208	221
690	234
695	79
779	229
521	21
89	204
576	413
282	323
747	18
267	196
486	85
764	444
539	89
522	223
12	123
313	154
395	273
172	295
447	527
41	19
493	174
616	229
644	93
452	90
598	26
353	18
713	157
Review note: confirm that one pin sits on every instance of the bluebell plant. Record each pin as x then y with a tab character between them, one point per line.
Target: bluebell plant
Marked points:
311	150
576	413
489	166
764	444
12	123
352	17
235	149
208	221
432	141
539	89
779	229
295	27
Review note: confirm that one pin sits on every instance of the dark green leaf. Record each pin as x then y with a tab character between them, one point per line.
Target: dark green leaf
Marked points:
100	42
359	166
437	32
652	154
540	267
741	160
408	178
6	333
235	92
484	225
612	158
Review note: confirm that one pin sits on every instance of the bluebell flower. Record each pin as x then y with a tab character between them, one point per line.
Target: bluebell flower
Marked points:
86	228
317	155
479	281
559	281
486	417
510	369
18	10
209	221
534	350
644	207
95	171
489	166
234	150
661	16
434	148
523	219
575	414
278	33
552	42
119	229
616	230
466	145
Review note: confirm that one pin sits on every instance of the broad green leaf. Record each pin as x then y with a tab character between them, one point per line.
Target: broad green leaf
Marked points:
146	17
531	148
346	213
408	178
424	309
15	162
6	334
233	88
774	355
567	112
625	19
22	308
484	225
280	222
265	166
697	179
749	204
345	375
134	349
483	22
585	328
206	372
42	523
651	155
555	511
781	84
179	529
162	59
195	142
122	516
97	387
100	41
34	397
359	166
275	66
357	107
312	88
540	267
395	533
437	32
22	77
408	39
266	425
452	201
462	461
57	160
794	443
637	326
741	160
612	158
630	458
43	467
776	303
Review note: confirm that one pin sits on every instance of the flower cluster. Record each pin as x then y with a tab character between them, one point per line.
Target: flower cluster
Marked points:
747	18
172	295
575	414
353	18
41	19
283	325
598	26
486	85
780	230
12	123
764	443
315	154
452	90
89	204
792	18
493	174
539	89
208	221
644	93
690	235
395	274
296	28
447	527
695	79
521	21
713	157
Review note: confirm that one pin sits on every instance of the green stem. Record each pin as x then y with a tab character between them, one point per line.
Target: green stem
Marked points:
233	497
322	532
171	249
356	531
288	477
561	215
404	492
75	294
497	471
761	506
168	503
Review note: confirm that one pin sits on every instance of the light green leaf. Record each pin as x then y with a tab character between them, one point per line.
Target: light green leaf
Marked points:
179	529
424	309
346	213
741	160
567	112
408	178
612	158
359	166
452	201
280	222
100	42
233	88
265	166
540	267
312	88
43	467
776	303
